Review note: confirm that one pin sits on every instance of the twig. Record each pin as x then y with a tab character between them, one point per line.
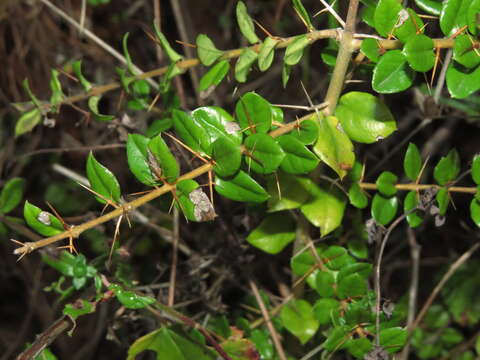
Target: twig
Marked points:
454	267
268	321
417	187
332	11
173	271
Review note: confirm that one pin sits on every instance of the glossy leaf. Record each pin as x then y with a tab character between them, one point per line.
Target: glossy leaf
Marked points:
392	73
241	188
77	69
27	121
286	69
326	284
207	52
129	299
171	54
362	269
393	339
194	202
298	159
386	16
267	51
371	49
297	316
261	339
359	347
217	123
214	76
274	233
386	183
352	286
227	156
56	87
307	131
412	164
11	194
357	196
93	107
384	209
325	310
245	23
472	13
475	211
419	53
336	257
302	13
464	51
334	147
42	222
286	191
137	158
453	15
336	338
164	159
364	117
102	181
476	169
411	201
462	82
294	51
409	25
264	154
191	133
325	208
158	126
433	7
253	113
447	168
443	199
244	64
302	262
78	309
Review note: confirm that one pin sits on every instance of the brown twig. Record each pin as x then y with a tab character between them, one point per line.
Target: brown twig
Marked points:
173	271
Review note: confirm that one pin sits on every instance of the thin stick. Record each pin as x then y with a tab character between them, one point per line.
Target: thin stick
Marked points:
173	271
332	11
268	321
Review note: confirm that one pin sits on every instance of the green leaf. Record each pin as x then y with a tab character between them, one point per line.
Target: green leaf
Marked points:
462	82
464	51
325	309
93	106
294	51
193	201
419	53
414	218
56	87
245	23
253	113
274	233
169	345
362	269
267	51
325	209
302	262
453	15
409	25
392	73
46	354
359	347
42	222
171	54
475	211
393	339
11	194
447	168
384	209
158	126
262	342
476	169
191	133
102	181
371	49
303	14
207	52
217	123
443	200
334	146
297	316
386	183
244	64
263	154
164	159
286	69
214	76
138	159
352	286
336	338
357	196
298	159
306	131
130	67
412	164
325	284
336	257
286	192
386	16
77	69
27	121
78	309
472	13
241	188
227	156
129	299
433	7
32	97
364	117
